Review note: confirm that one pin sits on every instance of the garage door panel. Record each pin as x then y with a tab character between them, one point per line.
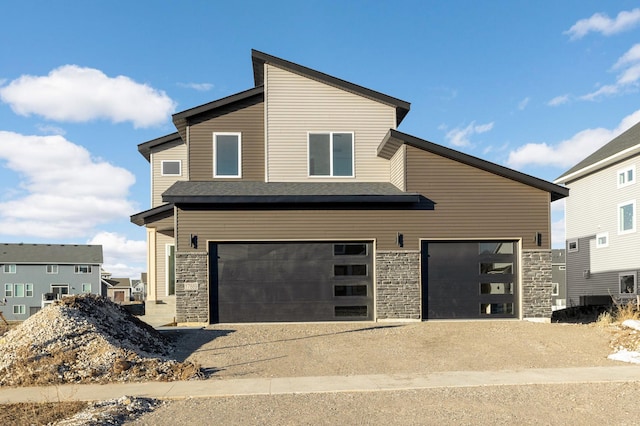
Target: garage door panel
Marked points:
297	281
469	279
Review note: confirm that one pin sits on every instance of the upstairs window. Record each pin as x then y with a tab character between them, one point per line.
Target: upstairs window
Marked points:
227	149
602	240
83	269
52	269
9	269
331	154
171	168
626	176
627	217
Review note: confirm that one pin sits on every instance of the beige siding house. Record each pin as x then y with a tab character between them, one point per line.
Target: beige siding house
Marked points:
302	202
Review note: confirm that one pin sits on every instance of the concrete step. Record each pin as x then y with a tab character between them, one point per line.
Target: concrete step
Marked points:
161	312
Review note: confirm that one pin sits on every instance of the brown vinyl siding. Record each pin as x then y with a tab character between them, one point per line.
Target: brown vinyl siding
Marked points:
245	117
472	203
469	204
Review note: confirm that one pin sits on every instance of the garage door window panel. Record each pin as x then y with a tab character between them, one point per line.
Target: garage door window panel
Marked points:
350	290
350	270
351	249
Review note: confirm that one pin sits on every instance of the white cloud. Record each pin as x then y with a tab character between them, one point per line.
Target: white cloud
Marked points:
523	103
627	80
461	136
201	87
49	129
122	257
74	94
601	23
571	151
558	233
64	192
558	100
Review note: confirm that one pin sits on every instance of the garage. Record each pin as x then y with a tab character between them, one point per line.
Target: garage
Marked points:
469	279
290	281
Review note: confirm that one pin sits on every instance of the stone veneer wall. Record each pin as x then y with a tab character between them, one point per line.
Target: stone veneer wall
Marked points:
536	284
192	292
398	286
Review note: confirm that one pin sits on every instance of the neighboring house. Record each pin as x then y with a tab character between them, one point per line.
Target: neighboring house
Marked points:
34	275
558	279
120	290
298	200
601	223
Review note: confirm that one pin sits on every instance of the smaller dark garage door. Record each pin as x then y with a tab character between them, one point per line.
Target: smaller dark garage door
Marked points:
291	281
469	279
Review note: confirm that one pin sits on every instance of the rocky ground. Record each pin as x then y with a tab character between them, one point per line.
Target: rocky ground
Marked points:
89	339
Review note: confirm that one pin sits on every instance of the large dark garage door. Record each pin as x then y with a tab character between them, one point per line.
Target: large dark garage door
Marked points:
469	279
292	281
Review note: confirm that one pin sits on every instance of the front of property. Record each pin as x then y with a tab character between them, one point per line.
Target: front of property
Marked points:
299	200
35	275
601	223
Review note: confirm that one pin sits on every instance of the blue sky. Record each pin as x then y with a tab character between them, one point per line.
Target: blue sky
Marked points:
535	86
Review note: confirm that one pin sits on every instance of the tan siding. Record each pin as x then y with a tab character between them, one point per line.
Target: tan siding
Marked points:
397	166
161	263
247	118
159	183
151	265
298	105
473	203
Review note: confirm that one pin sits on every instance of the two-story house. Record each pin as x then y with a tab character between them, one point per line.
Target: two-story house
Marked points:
299	200
601	223
35	275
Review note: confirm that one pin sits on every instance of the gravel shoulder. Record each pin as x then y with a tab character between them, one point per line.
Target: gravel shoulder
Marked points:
288	350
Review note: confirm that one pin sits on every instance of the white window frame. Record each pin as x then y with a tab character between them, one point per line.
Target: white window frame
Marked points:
18	290
162	173
8	290
215	154
331	171
21	310
575	249
621	221
28	290
562	267
635	283
555	289
10	268
623	176
601	236
86	287
78	269
52	269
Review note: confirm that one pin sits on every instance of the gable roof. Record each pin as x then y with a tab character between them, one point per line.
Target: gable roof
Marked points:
623	146
50	253
394	139
260	58
285	192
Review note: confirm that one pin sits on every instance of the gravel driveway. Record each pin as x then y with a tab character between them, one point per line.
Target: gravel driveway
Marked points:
289	350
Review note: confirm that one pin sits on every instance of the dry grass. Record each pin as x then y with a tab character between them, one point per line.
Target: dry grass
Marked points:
25	414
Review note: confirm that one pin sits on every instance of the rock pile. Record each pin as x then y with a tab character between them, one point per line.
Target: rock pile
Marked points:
87	338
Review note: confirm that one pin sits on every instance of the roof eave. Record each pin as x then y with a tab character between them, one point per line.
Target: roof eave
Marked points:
292	199
146	147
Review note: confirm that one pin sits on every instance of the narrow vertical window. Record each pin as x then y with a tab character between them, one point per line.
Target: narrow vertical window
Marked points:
627	217
227	153
626	176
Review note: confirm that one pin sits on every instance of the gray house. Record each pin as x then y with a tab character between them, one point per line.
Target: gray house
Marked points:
35	275
601	223
558	279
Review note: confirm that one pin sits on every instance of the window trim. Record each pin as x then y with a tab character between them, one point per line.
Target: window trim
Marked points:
620	219
22	310
331	171
575	249
78	271
51	270
12	268
28	289
604	235
17	286
635	282
82	286
556	287
8	290
215	154
162	173
623	172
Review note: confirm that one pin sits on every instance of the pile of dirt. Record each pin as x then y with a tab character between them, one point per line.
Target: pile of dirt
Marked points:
83	339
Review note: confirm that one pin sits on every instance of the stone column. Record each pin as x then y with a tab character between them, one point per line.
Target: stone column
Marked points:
536	284
398	286
192	287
